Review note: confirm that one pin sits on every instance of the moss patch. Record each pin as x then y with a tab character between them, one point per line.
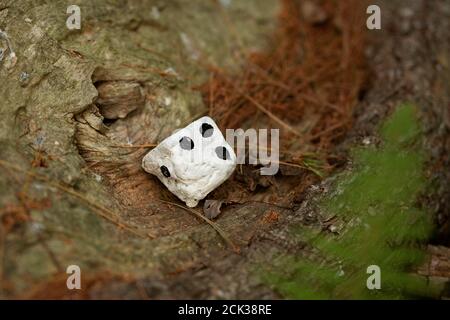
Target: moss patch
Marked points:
380	224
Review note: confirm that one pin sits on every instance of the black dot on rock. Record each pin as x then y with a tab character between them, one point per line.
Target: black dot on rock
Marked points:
223	153
165	171
186	143
206	130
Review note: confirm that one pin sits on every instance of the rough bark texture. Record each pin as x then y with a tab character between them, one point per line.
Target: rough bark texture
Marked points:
74	102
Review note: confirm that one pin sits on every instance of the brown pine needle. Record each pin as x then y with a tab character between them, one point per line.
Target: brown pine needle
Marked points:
214	225
271	115
264	109
147	145
324	132
100	210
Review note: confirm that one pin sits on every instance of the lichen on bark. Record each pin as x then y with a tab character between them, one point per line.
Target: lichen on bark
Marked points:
52	121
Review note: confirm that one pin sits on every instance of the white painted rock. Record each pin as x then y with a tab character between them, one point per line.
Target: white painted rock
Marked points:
193	161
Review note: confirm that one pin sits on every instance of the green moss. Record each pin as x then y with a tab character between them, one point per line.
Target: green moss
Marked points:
376	205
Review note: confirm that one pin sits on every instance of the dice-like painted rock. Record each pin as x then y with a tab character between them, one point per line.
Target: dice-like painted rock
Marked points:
193	161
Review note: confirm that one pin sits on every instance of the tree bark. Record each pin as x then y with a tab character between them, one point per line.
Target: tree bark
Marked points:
77	106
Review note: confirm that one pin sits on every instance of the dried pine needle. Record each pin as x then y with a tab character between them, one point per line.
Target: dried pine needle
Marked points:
97	208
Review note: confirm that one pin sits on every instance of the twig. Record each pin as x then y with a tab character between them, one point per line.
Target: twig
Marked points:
264	110
268	203
271	115
332	128
100	210
305	167
214	225
148	145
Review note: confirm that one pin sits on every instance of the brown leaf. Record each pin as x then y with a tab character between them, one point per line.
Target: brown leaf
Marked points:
211	208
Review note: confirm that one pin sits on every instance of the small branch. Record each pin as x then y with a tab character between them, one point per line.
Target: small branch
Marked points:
149	145
328	130
264	110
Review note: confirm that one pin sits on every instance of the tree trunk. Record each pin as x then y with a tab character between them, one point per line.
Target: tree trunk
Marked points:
80	108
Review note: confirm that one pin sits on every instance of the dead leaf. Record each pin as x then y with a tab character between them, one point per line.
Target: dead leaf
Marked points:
211	208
